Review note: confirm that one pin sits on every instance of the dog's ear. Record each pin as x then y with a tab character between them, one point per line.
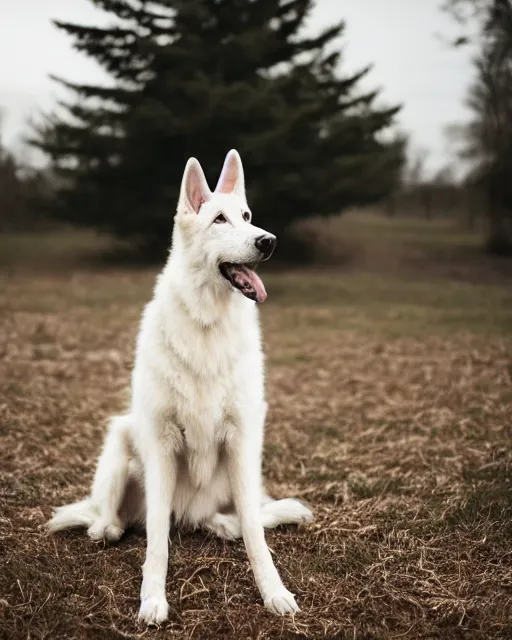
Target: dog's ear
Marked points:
194	188
232	176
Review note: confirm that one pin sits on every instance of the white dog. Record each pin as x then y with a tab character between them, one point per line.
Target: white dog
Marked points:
191	443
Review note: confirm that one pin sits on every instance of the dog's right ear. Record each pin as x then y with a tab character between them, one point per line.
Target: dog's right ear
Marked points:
194	188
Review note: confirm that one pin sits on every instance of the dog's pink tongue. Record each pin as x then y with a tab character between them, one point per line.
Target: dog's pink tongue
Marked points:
250	284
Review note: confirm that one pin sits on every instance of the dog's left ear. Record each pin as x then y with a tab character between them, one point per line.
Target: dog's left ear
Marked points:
194	188
232	176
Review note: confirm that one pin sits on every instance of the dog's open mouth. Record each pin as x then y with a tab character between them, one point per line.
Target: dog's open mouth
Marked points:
244	278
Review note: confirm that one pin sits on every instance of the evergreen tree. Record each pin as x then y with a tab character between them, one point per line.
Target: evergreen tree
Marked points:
196	78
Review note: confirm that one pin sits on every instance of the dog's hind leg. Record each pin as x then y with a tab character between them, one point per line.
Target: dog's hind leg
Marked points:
273	514
110	481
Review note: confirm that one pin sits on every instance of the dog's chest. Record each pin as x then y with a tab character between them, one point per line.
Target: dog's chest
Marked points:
198	379
209	407
205	370
211	377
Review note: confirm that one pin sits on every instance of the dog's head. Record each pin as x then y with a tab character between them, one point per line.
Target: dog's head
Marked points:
217	231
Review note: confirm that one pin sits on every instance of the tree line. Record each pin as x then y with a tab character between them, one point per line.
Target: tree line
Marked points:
22	190
198	77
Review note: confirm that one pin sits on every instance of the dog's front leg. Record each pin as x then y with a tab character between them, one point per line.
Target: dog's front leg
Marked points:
245	474
160	481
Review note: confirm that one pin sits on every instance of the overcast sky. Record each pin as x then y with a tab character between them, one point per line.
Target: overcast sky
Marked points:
401	38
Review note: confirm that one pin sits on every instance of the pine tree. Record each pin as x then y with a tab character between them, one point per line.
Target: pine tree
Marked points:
196	78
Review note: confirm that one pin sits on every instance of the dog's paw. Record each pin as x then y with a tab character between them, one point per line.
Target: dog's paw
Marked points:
225	526
282	603
301	512
290	511
153	610
101	531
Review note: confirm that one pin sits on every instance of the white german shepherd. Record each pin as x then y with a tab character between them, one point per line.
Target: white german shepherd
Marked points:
191	443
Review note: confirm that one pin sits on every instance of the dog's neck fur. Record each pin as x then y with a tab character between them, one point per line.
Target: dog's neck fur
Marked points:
205	298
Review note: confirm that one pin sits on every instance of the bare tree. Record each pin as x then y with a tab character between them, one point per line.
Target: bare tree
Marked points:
488	136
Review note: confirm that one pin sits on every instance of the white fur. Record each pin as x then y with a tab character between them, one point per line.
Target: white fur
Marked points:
190	446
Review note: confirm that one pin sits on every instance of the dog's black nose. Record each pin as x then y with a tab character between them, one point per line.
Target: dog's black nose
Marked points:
266	245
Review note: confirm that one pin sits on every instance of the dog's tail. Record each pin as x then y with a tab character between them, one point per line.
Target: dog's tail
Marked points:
78	514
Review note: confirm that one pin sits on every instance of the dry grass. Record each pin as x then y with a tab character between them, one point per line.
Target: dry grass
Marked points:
391	405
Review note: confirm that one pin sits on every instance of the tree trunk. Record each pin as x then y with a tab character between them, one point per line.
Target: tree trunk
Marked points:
499	241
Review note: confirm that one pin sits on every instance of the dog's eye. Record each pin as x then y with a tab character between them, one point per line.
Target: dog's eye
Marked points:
246	216
220	218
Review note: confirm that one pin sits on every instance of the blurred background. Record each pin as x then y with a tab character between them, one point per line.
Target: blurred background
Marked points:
377	143
337	108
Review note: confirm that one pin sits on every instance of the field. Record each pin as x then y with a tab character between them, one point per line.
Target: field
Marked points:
390	388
